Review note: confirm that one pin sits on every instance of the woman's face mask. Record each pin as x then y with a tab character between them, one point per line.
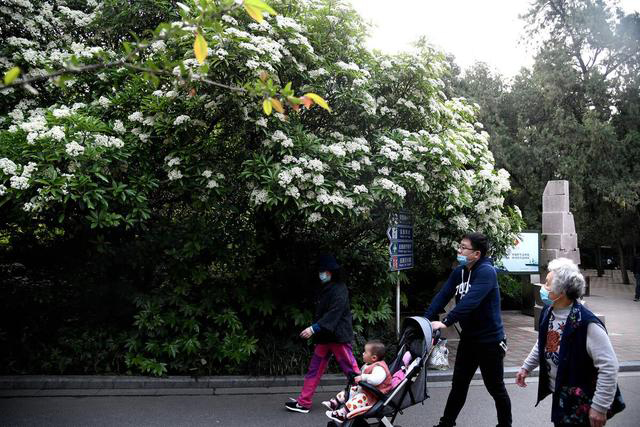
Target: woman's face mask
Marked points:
324	276
544	296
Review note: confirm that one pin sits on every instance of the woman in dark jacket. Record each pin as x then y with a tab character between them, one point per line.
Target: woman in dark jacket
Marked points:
578	366
332	332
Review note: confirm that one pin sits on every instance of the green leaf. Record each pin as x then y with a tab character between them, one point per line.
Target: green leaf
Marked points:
259	4
267	106
11	75
277	105
318	100
255	8
255	13
200	48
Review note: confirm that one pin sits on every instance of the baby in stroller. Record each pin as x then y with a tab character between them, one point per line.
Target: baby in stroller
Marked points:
374	372
408	384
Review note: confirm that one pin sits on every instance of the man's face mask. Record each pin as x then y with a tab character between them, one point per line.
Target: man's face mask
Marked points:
462	260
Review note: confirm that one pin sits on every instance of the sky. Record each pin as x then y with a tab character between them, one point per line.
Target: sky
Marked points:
471	30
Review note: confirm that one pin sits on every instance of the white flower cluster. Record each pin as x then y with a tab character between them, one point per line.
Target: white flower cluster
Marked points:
118	126
174	174
74	149
285	141
359	189
352	66
285	22
419	178
461	222
314	217
317	73
136	117
387	184
172	161
212	183
370	104
181	119
20	182
104	102
259	197
335	199
167	94
406	103
108	141
7	166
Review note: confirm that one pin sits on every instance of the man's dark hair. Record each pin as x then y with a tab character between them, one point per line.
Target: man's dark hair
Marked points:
377	348
479	242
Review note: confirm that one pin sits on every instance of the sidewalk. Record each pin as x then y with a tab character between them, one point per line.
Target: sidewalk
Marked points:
609	297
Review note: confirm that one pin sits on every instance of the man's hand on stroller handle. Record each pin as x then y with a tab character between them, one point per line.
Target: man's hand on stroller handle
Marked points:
435	325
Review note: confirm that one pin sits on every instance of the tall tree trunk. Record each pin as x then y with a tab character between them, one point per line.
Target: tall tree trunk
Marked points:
599	261
623	269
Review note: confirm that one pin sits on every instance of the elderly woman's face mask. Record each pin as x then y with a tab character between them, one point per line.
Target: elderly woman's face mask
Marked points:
545	291
544	296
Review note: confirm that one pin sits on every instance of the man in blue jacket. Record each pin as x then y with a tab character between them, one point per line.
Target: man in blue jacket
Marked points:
482	341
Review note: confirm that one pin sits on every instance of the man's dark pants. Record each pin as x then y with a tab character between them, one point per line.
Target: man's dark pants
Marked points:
490	358
637	285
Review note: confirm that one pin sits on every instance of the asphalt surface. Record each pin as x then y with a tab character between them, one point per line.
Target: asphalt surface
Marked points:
267	409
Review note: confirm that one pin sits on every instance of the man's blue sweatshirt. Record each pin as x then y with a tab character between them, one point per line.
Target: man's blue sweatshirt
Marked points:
477	305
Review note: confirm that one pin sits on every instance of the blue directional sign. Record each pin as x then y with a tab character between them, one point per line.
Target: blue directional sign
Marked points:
401	262
400	234
402	217
401	248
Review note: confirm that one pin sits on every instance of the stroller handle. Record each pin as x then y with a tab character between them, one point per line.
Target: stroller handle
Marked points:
436	336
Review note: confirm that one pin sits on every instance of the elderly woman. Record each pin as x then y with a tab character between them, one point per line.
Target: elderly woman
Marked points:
578	364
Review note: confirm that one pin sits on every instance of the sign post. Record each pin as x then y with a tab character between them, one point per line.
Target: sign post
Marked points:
400	234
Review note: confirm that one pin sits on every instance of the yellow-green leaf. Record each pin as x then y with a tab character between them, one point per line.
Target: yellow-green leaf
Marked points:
254	12
259	4
200	48
277	105
267	106
11	75
318	100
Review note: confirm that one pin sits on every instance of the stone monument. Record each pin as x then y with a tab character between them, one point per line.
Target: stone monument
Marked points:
559	238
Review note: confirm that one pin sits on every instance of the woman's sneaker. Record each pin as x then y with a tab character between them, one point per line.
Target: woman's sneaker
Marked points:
336	416
295	407
331	404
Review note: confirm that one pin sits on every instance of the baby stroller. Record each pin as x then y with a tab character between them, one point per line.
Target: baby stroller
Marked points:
414	347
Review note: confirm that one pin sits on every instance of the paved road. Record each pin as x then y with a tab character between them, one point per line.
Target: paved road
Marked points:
267	409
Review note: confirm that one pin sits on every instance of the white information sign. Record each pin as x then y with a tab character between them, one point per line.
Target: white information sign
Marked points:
524	256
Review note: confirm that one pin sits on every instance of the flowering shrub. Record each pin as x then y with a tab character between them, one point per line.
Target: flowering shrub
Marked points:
201	151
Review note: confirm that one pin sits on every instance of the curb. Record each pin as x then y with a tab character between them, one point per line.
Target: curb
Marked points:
88	385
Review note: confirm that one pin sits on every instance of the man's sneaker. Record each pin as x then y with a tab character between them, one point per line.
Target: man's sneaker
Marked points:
636	299
331	404
335	416
295	407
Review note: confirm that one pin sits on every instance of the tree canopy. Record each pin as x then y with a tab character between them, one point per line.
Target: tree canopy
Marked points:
175	168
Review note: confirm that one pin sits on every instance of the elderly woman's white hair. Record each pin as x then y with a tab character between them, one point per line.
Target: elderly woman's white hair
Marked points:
566	278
